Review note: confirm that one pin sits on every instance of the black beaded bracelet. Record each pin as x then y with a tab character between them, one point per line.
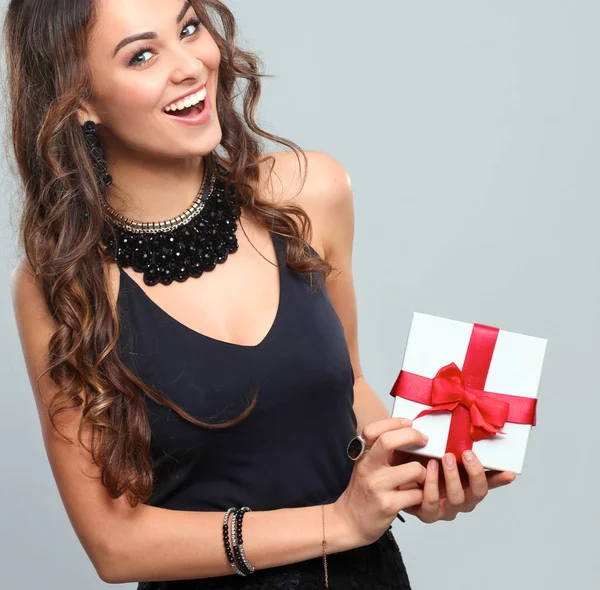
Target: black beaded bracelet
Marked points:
238	541
226	543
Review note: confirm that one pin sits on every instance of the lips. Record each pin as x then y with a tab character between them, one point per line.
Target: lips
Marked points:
194	116
183	96
194	109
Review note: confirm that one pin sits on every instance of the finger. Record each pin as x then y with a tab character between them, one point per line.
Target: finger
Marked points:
372	431
455	493
411	485
496	479
398	438
478	483
402	475
410	498
397	457
430	508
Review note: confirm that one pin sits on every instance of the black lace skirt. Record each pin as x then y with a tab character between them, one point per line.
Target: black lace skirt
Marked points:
378	566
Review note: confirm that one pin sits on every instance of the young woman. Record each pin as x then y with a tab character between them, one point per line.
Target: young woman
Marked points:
187	315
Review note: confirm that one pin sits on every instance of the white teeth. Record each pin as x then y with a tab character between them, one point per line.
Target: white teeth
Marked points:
188	101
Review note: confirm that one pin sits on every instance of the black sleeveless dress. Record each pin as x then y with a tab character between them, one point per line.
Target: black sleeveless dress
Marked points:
289	452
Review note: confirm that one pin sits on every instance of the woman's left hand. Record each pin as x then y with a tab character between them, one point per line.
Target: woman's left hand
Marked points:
460	490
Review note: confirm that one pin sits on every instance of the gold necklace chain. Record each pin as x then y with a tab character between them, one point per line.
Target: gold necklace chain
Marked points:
168	225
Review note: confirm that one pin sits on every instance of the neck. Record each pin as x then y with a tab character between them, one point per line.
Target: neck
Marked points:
154	191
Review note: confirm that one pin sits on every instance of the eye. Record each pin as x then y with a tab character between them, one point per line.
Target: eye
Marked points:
192	22
135	62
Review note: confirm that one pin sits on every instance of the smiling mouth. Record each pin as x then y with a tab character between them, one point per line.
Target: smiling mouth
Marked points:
193	104
187	111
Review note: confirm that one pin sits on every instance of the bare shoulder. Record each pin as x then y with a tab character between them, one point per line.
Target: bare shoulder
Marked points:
35	326
27	296
325	195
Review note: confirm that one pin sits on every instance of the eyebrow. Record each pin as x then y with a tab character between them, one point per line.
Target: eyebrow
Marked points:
150	35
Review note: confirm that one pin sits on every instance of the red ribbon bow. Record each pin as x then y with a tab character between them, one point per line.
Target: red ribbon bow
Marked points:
476	414
448	389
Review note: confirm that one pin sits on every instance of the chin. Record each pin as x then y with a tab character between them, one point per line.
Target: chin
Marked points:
206	142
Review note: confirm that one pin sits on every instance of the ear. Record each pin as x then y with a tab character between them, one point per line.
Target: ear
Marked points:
87	113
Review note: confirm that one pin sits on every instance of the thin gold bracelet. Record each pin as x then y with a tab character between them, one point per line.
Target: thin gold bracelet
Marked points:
325	549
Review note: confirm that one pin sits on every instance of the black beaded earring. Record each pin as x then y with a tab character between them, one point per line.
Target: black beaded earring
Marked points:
96	152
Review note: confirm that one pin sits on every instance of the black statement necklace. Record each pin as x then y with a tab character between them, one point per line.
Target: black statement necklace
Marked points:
185	246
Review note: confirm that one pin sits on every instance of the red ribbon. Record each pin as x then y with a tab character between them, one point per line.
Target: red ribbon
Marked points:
476	414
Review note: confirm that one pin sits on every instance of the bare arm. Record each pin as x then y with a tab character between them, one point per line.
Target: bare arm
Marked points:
146	542
159	544
327	197
368	407
331	204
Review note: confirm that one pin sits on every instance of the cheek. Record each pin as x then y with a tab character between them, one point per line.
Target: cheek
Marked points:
214	59
210	54
134	98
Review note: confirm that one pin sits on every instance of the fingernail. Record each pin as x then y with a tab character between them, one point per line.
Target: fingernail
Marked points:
449	460
425	437
468	456
512	477
406	422
432	465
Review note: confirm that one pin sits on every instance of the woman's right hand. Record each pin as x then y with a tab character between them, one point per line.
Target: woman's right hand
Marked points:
377	491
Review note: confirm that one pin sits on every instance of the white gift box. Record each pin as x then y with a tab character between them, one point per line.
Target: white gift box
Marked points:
507	365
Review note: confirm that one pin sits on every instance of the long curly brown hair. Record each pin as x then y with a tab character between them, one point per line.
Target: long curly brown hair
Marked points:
47	76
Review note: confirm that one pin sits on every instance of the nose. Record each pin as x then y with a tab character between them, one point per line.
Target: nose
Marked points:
186	64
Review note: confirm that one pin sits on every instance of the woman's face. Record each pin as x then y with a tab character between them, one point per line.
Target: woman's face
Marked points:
134	80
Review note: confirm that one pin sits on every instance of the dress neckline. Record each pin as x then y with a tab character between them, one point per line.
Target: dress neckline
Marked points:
194	333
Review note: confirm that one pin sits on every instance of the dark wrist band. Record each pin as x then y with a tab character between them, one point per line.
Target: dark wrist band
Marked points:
238	541
227	544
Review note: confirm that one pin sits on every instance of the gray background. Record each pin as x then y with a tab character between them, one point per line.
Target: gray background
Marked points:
474	159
